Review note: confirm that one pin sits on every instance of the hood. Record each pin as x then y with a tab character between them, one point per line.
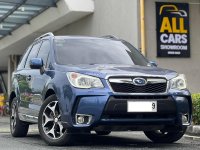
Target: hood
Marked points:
103	71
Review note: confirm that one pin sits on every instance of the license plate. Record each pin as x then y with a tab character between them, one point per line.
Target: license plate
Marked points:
138	106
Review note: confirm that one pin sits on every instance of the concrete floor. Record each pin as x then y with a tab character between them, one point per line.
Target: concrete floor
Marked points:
116	140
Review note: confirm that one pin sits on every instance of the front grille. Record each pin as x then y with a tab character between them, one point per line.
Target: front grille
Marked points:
131	88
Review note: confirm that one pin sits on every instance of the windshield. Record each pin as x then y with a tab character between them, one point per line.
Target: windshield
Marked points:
78	51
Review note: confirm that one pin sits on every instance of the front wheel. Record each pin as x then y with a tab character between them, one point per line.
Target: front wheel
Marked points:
49	123
160	136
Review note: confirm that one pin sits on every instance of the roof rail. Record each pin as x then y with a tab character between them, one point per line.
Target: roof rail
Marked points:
110	37
46	34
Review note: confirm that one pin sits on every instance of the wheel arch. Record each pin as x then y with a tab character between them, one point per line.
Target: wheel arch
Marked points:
12	96
48	93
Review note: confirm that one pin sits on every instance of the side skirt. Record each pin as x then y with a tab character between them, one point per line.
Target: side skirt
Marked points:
28	118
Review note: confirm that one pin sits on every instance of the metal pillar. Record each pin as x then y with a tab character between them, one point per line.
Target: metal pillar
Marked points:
13	61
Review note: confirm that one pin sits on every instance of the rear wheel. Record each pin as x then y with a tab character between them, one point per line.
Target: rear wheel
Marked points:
160	136
18	128
49	123
103	132
6	110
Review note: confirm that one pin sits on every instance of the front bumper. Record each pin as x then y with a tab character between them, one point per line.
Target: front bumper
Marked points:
109	111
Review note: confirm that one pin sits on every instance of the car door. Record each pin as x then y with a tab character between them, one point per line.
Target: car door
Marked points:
18	80
24	82
39	79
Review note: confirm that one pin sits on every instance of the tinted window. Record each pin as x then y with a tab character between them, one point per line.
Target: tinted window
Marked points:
23	59
97	51
32	54
44	51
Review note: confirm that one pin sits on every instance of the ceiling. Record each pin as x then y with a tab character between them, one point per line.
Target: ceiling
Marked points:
18	33
15	13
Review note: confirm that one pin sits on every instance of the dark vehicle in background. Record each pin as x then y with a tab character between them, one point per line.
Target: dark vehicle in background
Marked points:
74	84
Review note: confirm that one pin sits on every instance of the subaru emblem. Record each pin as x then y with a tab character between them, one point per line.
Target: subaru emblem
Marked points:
139	81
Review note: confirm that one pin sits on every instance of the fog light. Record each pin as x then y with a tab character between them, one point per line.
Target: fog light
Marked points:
185	119
83	119
80	119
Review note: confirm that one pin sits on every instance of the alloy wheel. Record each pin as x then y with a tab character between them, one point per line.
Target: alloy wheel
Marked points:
13	117
51	121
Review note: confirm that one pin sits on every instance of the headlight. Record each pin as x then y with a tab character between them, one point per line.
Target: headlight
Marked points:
84	81
178	82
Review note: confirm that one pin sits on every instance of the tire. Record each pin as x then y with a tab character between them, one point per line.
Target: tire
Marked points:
49	124
6	111
18	128
164	137
103	132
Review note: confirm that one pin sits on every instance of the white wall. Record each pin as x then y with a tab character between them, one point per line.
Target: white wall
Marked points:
189	66
111	17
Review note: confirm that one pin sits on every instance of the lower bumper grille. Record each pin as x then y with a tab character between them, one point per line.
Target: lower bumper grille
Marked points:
116	108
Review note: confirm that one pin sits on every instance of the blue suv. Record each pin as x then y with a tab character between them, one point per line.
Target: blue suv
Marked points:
74	84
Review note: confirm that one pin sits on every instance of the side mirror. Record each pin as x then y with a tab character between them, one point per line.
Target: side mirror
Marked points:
152	64
36	63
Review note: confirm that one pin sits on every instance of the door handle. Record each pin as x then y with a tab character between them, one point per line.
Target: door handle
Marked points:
28	78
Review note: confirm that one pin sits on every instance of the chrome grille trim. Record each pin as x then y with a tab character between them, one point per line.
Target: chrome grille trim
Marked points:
156	80
130	80
121	80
